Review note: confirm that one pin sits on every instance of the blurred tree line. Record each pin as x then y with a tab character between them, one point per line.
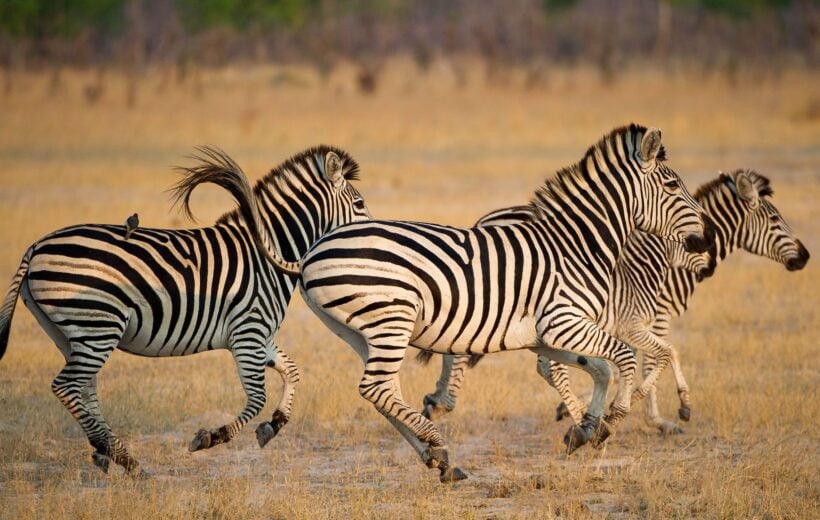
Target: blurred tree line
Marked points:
135	34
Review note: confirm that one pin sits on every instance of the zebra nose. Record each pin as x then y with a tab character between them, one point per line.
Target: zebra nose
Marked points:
798	262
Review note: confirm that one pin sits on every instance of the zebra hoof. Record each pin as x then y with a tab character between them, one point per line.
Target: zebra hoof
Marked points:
685	413
575	438
452	475
264	434
602	433
202	441
101	461
432	410
561	411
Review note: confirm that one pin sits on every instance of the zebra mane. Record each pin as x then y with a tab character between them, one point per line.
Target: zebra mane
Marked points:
761	182
568	180
350	168
307	160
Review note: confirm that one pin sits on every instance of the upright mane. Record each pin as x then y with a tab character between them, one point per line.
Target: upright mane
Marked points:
310	160
761	182
572	178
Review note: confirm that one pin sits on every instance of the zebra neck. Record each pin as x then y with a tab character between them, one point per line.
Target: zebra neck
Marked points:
680	283
291	225
727	220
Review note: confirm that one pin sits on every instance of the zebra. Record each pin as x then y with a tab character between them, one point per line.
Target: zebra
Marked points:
161	292
635	283
385	285
649	288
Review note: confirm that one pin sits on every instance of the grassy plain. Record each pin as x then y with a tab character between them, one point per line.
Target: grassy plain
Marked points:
429	150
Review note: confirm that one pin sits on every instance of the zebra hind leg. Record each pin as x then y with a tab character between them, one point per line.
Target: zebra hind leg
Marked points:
380	385
289	372
75	387
250	360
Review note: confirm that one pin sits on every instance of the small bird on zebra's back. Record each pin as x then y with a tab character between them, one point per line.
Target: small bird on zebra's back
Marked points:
131	223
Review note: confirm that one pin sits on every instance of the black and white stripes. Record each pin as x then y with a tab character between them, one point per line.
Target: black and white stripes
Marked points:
653	282
178	292
384	285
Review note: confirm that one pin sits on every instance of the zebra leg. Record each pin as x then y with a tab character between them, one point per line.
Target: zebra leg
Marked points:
644	340
448	386
568	329
652	416
556	375
380	385
76	382
287	369
250	359
685	410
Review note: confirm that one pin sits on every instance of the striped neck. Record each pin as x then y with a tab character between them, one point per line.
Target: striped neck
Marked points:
591	203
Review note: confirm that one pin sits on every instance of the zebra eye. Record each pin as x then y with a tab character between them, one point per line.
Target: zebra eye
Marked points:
774	218
671	184
358	204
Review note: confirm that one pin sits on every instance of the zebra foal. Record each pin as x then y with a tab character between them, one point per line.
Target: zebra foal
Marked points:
385	285
159	292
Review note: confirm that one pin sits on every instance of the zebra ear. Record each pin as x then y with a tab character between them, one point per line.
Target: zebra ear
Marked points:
746	190
651	144
333	168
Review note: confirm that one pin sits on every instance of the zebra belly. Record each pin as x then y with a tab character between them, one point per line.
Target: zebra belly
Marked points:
518	333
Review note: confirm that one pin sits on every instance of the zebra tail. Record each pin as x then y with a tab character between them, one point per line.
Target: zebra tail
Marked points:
7	310
423	357
218	168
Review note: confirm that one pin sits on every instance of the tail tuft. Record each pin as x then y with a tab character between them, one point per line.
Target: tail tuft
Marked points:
216	167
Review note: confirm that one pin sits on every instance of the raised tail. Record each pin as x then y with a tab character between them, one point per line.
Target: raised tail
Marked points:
7	310
423	357
218	168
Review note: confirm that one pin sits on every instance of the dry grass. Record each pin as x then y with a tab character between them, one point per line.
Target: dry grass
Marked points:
428	151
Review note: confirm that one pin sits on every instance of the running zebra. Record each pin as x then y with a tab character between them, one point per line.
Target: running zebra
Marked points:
636	281
650	287
165	292
385	285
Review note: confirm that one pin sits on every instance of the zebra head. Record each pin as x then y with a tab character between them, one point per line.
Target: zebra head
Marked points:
664	207
342	202
762	230
701	264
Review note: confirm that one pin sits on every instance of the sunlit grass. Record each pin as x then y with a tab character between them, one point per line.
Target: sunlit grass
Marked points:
428	151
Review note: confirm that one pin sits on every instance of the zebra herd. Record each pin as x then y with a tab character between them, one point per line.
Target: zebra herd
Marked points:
608	251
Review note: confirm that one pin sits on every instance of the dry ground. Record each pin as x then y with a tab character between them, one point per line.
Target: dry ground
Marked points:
429	150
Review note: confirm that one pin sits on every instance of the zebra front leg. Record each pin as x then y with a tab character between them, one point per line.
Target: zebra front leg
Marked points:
557	376
75	387
567	328
289	372
448	386
555	372
685	410
652	416
650	344
250	359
